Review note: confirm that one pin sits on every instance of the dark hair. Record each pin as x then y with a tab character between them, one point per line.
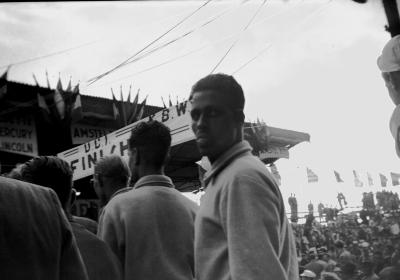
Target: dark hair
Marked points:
153	139
222	84
51	172
113	167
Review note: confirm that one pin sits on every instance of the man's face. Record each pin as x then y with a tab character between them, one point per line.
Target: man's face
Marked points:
213	124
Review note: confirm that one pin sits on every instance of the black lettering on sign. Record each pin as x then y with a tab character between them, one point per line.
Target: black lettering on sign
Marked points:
84	132
92	159
101	154
87	147
123	147
97	143
76	132
113	149
83	163
165	115
73	164
181	108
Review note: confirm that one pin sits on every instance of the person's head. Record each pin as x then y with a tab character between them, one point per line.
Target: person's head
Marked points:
51	172
367	267
217	114
149	147
349	269
111	173
329	276
389	64
307	275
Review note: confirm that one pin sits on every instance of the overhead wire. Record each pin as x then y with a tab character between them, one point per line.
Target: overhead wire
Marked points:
207	22
75	47
96	78
316	11
239	37
49	55
190	52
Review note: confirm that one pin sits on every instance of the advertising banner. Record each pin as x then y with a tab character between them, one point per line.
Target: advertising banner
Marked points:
82	133
18	135
83	158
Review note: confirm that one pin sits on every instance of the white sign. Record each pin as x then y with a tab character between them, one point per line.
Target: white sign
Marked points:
18	135
83	158
84	133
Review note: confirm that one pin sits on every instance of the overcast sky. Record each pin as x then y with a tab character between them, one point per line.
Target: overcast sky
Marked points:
316	73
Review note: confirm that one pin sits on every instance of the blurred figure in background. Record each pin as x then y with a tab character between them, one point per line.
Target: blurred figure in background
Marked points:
151	228
36	240
111	177
55	173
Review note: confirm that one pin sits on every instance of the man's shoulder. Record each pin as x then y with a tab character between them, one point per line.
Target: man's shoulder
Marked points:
34	194
246	165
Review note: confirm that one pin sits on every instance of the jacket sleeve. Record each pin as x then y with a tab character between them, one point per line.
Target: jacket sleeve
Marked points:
71	263
111	232
250	211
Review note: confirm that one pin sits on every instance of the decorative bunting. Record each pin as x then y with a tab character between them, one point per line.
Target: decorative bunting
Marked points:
59	100
395	178
337	176
357	181
383	180
370	181
76	112
311	176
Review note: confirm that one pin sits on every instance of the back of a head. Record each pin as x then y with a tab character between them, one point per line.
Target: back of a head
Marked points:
51	172
225	85
115	168
154	139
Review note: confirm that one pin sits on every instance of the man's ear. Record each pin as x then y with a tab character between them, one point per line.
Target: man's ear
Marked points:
72	197
137	155
239	116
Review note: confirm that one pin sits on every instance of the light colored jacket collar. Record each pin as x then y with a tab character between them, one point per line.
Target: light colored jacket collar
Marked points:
126	189
154	180
233	152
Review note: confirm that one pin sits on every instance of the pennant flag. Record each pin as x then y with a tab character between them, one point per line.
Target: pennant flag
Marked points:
312	177
3	83
370	181
170	102
383	180
162	99
395	178
275	173
41	101
133	117
357	181
337	176
115	107
141	112
59	100
47	79
129	94
69	87
77	113
123	112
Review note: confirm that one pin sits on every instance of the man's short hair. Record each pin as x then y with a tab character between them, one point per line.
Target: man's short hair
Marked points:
51	172
153	139
225	85
113	167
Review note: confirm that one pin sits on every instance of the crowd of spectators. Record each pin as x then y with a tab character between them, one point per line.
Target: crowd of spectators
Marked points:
362	245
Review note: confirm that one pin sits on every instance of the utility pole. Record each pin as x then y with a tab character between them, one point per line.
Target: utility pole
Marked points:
392	14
